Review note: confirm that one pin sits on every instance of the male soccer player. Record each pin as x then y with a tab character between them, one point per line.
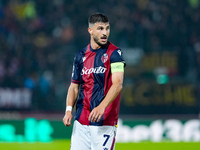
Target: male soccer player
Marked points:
95	87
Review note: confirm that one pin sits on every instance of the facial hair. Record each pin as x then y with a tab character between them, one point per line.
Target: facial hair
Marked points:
97	41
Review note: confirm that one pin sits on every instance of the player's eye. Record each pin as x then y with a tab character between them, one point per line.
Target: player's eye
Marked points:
100	28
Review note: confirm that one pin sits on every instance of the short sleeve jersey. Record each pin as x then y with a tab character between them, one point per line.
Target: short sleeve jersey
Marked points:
92	71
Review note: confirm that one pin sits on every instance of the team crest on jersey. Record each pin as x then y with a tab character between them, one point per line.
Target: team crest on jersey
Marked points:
104	58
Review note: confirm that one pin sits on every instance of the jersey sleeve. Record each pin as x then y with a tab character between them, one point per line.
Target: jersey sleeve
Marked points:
76	70
117	56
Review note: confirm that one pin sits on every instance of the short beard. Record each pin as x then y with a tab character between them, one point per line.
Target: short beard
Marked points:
96	41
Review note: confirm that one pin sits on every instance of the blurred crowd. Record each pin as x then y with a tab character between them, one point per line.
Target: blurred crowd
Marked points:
38	38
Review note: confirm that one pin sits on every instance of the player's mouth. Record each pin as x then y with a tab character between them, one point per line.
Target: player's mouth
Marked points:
104	39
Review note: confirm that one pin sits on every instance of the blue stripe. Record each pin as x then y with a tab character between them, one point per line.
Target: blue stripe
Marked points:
98	88
79	103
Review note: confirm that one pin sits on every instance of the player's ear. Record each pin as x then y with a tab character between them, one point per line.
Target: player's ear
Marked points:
90	30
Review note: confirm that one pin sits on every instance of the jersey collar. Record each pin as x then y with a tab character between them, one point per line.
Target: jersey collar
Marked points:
103	47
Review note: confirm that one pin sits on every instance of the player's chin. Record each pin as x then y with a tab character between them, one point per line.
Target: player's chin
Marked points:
103	42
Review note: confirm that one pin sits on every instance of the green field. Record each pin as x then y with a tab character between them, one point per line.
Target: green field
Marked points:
65	144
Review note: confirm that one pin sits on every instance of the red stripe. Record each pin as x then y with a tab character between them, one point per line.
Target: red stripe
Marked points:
108	81
110	118
88	86
113	144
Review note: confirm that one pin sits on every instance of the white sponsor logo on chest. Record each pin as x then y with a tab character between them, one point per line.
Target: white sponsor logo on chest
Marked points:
97	70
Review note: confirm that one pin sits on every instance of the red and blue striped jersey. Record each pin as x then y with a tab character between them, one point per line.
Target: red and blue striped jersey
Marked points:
92	71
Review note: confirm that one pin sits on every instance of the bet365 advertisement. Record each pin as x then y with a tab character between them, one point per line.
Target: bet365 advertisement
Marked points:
170	130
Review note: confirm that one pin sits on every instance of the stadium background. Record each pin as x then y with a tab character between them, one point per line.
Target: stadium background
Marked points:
161	45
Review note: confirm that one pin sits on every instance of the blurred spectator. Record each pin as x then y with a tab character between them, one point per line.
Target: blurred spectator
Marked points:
44	35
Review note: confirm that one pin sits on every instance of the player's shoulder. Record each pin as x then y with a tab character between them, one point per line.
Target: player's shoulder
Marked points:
112	47
81	52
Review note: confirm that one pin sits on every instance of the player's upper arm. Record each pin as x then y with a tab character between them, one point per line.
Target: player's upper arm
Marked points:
117	70
117	67
117	78
117	56
76	69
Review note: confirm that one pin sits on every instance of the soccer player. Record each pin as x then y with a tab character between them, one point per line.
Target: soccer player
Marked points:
95	87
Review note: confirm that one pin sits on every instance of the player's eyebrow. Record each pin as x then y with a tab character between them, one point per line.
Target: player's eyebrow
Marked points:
102	27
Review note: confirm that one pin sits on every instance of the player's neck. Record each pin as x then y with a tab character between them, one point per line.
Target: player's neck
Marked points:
94	45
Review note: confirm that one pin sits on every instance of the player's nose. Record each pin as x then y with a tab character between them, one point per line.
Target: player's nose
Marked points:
105	32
